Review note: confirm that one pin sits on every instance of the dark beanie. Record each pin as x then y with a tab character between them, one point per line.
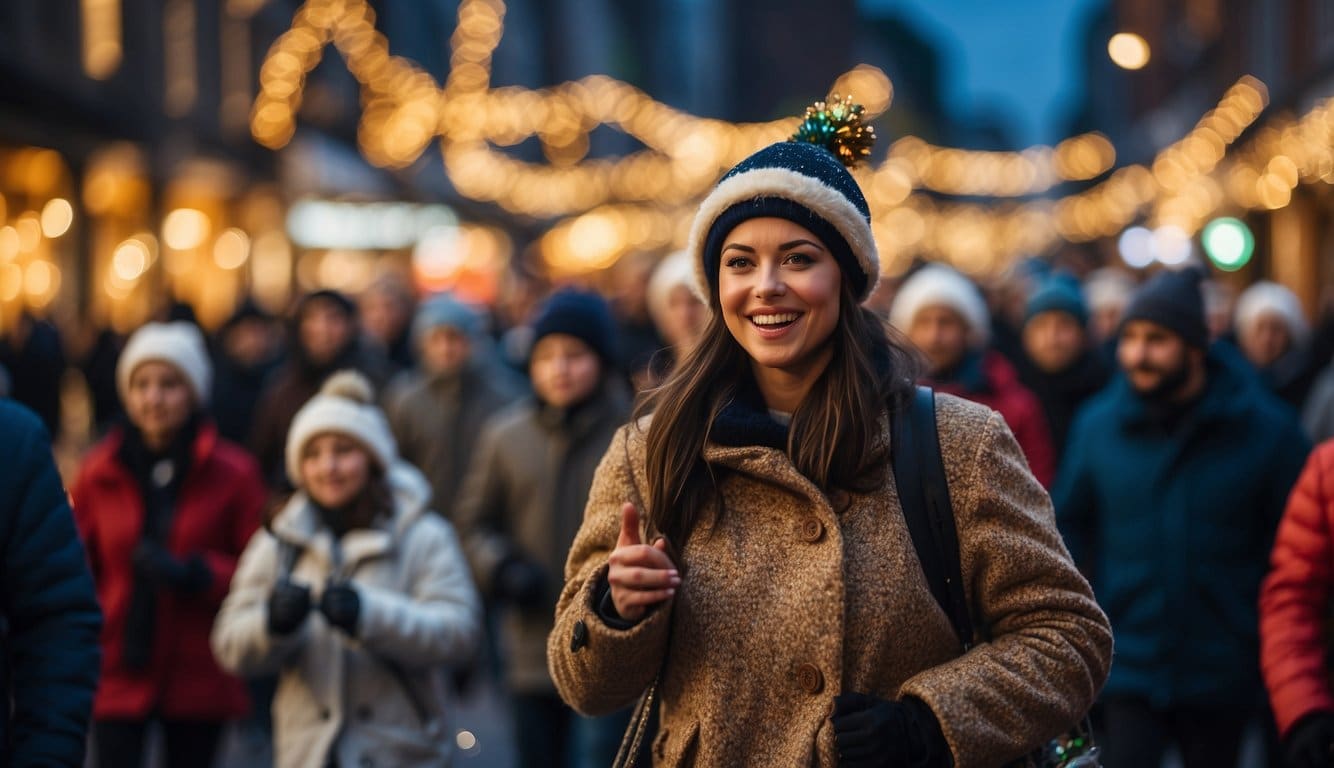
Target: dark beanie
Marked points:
581	314
1057	293
1172	300
335	298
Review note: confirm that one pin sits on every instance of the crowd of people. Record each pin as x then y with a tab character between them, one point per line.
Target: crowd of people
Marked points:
334	522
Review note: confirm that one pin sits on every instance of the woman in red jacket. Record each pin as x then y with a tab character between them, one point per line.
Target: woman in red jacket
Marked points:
1294	617
165	508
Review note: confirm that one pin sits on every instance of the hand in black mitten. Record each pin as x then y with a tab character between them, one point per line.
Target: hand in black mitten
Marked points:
872	732
341	605
1310	744
289	603
156	564
521	582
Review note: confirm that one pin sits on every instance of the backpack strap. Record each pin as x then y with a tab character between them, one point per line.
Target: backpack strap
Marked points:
924	494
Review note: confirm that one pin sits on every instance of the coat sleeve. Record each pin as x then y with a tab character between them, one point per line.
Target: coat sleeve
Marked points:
248	499
1050	645
49	603
439	621
1294	601
599	669
480	511
240	639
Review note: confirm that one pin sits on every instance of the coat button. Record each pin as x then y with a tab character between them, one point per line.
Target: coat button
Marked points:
810	529
364	713
325	714
579	637
809	678
840	500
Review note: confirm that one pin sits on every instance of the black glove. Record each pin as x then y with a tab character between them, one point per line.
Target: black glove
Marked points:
1310	743
522	582
289	603
341	605
875	733
153	562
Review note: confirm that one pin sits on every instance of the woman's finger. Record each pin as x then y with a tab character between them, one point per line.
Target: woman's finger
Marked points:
641	556
638	599
643	578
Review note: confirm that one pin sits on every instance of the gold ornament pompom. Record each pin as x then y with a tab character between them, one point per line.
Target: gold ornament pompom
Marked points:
836	124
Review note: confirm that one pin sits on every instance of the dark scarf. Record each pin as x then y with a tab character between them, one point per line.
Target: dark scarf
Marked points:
159	475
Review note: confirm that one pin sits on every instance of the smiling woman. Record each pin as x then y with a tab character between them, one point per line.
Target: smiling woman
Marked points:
774	601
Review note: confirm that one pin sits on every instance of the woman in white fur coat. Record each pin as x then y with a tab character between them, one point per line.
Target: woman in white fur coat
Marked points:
357	595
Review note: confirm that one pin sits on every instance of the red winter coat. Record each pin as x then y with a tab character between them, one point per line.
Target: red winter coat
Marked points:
217	510
993	382
1295	598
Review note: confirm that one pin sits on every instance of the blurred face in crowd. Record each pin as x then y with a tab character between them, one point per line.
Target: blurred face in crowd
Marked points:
942	335
445	350
249	342
1158	363
684	321
565	370
1053	340
325	330
1265	341
334	469
385	313
779	291
159	402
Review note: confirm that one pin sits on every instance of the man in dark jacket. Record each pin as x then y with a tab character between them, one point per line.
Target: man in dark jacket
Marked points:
245	352
1174	481
48	609
35	357
1059	364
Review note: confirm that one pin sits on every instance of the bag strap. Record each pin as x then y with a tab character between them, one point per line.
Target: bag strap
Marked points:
924	495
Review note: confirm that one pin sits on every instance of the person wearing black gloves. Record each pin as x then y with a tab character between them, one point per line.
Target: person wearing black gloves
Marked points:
357	595
522	502
773	598
165	507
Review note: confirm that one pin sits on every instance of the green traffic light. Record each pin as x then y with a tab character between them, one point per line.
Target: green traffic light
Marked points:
1228	242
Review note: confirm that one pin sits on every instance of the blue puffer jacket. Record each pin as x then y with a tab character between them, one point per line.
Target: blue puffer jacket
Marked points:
1174	528
48	609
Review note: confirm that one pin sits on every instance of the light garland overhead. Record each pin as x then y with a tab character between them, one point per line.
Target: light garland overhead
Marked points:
642	198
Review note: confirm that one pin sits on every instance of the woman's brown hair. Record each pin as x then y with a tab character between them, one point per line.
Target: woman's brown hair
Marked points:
834	436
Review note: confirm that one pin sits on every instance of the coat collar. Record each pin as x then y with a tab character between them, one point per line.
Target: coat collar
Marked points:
104	464
298	524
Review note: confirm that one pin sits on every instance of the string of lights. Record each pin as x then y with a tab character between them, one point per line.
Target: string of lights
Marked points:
610	206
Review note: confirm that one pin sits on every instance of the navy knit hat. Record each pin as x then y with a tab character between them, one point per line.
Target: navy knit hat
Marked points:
801	182
581	314
1172	300
1058	293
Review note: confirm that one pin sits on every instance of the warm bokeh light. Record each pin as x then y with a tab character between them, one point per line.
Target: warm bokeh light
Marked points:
57	216
1128	50
231	249
185	228
129	260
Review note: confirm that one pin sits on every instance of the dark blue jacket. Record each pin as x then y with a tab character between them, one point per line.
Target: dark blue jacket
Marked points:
48	608
1174	526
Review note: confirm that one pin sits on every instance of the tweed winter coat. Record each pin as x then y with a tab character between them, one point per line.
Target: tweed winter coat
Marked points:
525	497
792	596
1294	600
377	699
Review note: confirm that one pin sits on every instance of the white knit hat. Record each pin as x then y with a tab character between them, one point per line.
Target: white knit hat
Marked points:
938	285
345	405
1269	298
677	269
178	344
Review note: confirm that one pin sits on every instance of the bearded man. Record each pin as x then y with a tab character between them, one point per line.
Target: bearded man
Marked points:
1172	486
